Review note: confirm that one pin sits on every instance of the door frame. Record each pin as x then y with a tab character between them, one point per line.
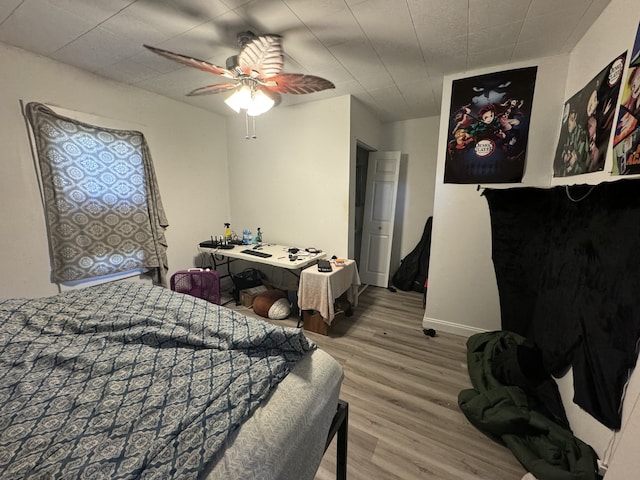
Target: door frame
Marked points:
378	227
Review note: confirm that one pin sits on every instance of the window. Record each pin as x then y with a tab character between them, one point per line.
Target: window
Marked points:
102	205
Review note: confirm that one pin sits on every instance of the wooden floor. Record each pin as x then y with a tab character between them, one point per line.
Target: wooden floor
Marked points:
402	387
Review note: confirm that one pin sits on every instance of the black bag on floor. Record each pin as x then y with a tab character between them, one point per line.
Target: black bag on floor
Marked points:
248	278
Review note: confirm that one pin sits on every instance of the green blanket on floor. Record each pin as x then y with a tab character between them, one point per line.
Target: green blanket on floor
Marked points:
546	449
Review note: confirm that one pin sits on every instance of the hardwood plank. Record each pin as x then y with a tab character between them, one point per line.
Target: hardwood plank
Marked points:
402	387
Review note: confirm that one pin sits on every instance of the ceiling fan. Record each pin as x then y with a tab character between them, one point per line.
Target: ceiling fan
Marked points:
254	75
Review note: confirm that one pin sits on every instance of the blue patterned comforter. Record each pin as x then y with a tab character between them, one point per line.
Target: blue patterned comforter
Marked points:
129	380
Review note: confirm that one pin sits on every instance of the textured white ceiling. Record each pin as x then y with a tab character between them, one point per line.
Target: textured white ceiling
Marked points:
390	54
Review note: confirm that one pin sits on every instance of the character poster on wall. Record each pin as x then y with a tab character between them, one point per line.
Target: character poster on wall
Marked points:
626	141
587	120
489	127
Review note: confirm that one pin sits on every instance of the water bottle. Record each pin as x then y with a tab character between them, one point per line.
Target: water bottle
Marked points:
246	237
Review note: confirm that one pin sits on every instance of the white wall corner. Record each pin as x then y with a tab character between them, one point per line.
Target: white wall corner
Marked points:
450	327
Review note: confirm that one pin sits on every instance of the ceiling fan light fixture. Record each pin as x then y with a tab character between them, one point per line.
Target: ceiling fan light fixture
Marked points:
240	99
260	103
255	102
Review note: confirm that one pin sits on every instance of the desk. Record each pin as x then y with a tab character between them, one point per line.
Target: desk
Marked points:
319	290
279	257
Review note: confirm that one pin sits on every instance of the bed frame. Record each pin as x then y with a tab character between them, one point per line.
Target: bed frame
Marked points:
340	425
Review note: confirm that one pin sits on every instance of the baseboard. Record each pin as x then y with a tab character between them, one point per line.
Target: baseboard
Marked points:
449	327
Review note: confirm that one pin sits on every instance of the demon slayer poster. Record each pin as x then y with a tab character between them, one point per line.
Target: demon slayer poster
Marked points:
489	127
626	141
587	120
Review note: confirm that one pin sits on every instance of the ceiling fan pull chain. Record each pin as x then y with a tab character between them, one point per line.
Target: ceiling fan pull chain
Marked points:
246	125
254	136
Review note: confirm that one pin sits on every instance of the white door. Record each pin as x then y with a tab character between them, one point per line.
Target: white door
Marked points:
379	214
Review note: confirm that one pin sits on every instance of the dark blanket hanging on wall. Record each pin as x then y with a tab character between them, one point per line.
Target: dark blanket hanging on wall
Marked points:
567	263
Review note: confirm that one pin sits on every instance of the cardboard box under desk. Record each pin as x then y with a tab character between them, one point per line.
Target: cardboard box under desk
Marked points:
313	322
249	294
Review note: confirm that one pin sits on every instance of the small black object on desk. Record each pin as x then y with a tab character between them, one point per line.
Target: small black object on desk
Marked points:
324	266
216	243
257	253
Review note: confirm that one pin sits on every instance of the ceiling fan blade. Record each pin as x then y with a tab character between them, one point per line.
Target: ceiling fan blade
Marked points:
216	88
297	83
262	54
192	62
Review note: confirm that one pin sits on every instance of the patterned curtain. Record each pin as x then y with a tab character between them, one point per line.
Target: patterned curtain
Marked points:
102	204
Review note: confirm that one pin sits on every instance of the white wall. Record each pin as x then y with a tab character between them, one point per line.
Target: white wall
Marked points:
462	296
188	146
613	33
298	173
461	256
461	266
365	127
418	141
293	180
366	130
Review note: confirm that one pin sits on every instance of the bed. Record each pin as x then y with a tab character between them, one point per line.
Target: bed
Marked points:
129	380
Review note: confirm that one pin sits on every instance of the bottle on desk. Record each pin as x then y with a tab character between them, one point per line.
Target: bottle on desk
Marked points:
258	238
246	237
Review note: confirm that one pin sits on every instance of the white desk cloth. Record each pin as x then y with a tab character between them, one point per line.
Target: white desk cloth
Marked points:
319	290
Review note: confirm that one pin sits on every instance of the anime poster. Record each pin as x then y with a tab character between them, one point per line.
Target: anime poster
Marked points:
587	120
626	155
625	140
489	127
